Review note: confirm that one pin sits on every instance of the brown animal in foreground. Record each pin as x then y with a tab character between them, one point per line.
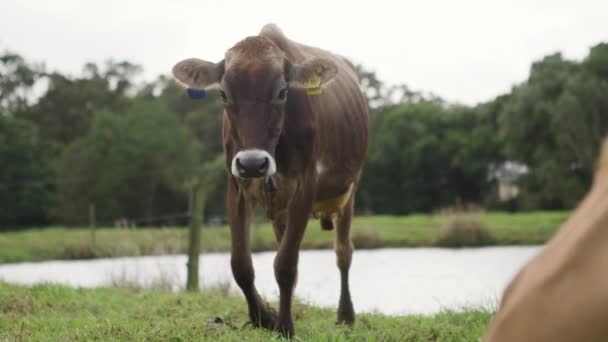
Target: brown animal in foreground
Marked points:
295	137
562	294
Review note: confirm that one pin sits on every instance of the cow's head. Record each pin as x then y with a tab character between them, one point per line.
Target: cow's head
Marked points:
254	80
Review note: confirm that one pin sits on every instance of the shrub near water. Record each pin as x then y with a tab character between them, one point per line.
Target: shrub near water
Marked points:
463	231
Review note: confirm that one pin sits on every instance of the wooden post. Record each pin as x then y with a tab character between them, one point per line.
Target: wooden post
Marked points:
191	198
92	224
200	188
194	245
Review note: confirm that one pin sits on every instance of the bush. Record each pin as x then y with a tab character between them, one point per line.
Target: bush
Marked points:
366	238
463	232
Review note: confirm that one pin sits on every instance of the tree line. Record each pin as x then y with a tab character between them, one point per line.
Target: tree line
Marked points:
131	149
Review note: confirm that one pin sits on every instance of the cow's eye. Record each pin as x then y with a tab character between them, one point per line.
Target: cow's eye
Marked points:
282	94
224	97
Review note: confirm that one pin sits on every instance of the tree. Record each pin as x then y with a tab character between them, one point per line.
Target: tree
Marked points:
17	77
65	111
143	147
554	123
25	175
373	89
597	61
427	156
204	120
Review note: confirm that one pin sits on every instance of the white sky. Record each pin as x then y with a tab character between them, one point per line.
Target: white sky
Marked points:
464	51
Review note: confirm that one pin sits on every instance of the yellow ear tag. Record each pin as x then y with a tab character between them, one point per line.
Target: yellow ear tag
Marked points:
313	85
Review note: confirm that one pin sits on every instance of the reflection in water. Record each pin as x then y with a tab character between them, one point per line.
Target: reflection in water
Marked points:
391	281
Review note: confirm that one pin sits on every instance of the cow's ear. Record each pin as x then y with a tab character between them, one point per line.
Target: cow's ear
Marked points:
312	74
198	74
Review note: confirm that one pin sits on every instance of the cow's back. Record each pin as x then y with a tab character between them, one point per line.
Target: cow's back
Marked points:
340	118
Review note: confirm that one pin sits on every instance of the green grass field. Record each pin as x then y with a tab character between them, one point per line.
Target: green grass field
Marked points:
58	313
368	232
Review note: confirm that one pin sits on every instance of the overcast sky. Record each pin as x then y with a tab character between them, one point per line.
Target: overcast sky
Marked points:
464	51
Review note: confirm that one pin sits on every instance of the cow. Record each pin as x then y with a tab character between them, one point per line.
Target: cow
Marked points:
295	131
562	293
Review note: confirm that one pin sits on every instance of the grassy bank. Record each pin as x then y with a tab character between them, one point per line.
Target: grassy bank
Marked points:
368	232
57	313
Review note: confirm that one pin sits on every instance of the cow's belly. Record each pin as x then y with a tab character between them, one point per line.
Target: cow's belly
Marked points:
338	164
328	206
334	188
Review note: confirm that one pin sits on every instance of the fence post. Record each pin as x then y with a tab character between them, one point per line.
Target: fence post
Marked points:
92	224
194	244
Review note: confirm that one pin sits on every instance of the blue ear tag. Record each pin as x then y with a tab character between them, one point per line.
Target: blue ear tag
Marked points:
196	94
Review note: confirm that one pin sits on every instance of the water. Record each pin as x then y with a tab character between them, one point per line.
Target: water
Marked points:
391	281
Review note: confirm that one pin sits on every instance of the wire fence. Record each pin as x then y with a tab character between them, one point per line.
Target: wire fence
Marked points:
175	219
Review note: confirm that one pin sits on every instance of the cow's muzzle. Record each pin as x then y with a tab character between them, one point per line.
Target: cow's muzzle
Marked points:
253	164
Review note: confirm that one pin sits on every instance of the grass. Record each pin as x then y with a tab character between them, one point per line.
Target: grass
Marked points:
368	232
57	313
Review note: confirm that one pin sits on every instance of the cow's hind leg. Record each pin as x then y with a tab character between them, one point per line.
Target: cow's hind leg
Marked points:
239	214
344	252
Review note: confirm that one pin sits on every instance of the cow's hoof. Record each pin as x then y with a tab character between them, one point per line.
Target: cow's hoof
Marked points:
346	320
285	328
346	314
265	318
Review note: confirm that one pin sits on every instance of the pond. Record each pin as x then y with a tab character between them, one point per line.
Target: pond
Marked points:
390	281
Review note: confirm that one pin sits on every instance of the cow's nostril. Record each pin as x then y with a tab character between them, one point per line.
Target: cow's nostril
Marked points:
240	166
264	166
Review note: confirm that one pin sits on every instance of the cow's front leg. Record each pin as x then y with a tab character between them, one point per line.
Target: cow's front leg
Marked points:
286	261
239	216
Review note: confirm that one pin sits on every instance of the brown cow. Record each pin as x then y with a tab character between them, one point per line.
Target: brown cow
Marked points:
562	294
295	138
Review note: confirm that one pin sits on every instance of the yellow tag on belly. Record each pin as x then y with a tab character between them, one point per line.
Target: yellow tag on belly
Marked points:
313	85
